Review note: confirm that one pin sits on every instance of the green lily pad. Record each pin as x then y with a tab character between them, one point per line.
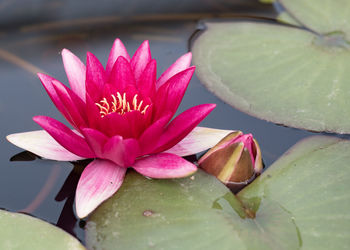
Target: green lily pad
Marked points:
322	16
301	202
284	74
20	231
311	181
285	17
196	212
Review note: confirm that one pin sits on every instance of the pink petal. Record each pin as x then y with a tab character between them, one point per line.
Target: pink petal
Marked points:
198	140
95	77
131	91
41	143
65	136
95	139
148	116
117	50
109	89
140	59
151	135
93	114
137	123
179	65
110	128
131	151
122	152
121	74
114	150
99	181
182	125
146	85
169	96
75	71
74	106
47	83
163	166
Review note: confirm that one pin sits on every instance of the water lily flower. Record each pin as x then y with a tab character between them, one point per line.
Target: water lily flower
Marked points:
121	117
235	160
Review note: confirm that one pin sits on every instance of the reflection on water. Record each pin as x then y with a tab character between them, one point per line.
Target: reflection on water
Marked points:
66	194
67	219
33	34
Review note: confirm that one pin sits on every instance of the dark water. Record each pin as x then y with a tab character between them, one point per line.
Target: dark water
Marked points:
32	35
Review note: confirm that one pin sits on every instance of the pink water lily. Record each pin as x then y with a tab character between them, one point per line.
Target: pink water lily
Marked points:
122	117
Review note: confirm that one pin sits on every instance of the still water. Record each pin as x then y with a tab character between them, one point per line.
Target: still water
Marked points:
32	35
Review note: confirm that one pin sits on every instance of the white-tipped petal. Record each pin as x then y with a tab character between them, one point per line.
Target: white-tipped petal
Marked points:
41	143
200	139
99	181
76	73
164	166
179	65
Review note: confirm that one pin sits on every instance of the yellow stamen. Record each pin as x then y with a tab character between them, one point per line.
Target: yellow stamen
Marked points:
144	110
134	101
124	101
114	103
139	107
118	103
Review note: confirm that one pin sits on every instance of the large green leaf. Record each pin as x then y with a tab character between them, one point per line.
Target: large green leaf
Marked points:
311	181
19	231
279	73
285	17
191	213
322	16
301	202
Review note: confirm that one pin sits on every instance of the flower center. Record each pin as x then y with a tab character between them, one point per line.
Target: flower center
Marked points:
119	104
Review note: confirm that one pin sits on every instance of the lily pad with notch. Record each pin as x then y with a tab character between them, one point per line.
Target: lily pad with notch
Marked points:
311	182
289	75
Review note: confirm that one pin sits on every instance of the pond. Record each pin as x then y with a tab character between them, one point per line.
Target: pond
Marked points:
34	32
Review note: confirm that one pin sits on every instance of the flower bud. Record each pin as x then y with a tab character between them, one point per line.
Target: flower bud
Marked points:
235	160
